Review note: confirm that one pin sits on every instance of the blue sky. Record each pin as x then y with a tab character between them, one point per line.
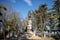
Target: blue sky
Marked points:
23	6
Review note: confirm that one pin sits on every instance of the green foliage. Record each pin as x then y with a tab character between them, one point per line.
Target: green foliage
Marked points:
10	21
40	18
57	9
56	6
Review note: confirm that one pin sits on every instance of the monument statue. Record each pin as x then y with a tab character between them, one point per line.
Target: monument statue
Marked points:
29	26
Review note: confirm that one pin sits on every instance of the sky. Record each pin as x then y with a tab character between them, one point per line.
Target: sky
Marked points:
23	6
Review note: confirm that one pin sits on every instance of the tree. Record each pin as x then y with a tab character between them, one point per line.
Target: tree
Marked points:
24	25
43	10
10	19
56	6
2	19
40	17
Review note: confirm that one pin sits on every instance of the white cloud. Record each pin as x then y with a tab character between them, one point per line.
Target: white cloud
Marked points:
28	2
